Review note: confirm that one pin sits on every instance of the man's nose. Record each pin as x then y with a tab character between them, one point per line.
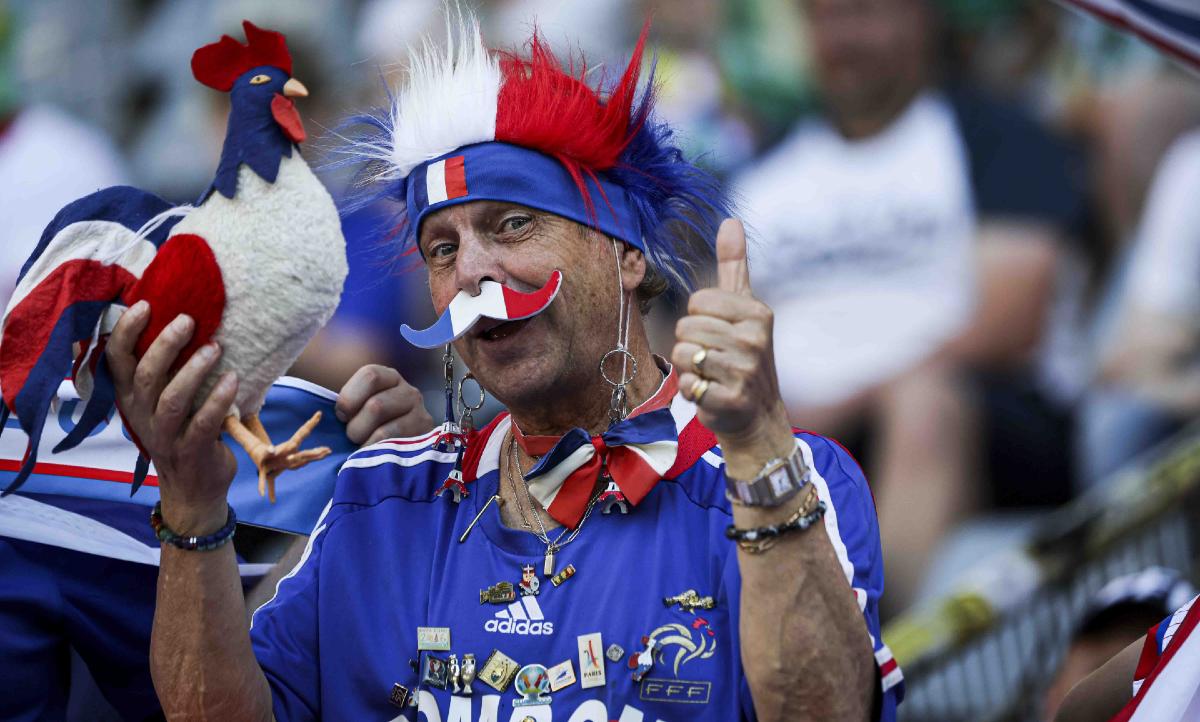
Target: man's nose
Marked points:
477	261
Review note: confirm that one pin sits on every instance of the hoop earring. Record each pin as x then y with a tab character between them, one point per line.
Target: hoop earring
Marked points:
455	434
618	403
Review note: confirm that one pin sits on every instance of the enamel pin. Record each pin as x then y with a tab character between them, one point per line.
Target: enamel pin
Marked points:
529	584
561	675
642	661
400	695
591	666
533	684
498	671
689	601
612	498
615	652
563	576
501	593
433	639
434	671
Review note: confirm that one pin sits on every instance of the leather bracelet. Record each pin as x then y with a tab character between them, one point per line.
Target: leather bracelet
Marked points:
757	541
216	540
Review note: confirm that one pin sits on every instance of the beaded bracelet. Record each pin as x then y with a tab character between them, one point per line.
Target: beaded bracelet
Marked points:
192	543
757	541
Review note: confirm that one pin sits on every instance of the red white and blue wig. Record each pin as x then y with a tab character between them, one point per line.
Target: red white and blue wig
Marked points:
475	124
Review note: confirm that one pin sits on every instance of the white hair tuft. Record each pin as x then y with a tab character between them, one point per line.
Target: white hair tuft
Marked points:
449	100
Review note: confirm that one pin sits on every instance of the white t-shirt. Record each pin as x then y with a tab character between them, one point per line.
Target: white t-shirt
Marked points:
1164	273
47	160
863	248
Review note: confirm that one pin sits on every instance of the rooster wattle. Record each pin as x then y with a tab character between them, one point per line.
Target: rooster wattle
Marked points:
258	264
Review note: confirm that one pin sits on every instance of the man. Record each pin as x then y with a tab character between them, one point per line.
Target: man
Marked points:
516	176
1156	679
1120	613
915	236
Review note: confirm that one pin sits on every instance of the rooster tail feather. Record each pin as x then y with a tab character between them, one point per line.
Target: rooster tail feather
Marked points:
31	451
140	471
92	252
99	408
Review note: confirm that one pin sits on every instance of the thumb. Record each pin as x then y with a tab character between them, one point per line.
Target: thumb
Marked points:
733	274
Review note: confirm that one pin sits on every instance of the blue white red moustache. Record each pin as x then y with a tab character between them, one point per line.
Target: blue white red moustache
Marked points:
494	301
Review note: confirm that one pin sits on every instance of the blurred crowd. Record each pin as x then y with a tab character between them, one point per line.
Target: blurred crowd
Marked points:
975	219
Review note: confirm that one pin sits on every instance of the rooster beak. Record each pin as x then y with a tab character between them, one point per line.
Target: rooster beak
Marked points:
295	89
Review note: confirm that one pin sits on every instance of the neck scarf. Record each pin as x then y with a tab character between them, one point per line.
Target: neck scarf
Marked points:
634	453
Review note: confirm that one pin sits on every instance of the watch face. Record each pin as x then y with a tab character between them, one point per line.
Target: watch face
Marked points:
781	481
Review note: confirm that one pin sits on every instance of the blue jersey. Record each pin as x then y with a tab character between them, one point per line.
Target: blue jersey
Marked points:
386	558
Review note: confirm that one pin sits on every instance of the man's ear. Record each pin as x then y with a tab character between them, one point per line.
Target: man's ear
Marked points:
633	265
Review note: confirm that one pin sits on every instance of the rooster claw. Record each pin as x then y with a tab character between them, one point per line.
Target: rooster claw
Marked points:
274	459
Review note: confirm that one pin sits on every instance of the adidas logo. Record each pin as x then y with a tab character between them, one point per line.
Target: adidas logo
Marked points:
523	616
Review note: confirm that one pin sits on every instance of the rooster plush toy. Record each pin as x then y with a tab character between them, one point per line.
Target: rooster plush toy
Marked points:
258	264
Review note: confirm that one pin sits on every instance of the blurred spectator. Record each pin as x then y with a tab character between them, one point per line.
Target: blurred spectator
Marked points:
1149	379
912	240
47	159
1118	615
693	94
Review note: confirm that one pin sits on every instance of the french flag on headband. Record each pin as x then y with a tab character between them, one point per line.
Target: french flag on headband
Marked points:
636	453
1172	26
494	301
446	180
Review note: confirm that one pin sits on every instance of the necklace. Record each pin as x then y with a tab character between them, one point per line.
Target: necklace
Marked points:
552	546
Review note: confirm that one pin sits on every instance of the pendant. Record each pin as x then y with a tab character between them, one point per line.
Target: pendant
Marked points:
548	565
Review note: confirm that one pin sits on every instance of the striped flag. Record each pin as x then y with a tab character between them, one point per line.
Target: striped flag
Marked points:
446	180
1172	26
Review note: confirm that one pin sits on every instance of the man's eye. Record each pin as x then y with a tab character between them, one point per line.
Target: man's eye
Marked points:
514	223
441	250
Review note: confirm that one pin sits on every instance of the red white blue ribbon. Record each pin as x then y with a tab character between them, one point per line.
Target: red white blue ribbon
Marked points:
636	452
494	301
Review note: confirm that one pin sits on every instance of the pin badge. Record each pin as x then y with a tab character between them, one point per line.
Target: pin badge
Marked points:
400	695
501	593
563	576
612	498
433	639
591	668
530	584
562	675
498	671
615	652
533	684
689	601
642	661
467	674
434	671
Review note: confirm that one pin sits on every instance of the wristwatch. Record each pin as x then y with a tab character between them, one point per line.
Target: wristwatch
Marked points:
779	480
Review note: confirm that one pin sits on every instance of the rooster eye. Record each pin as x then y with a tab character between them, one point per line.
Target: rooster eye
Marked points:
260	79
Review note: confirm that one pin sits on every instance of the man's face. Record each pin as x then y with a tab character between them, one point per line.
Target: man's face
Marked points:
556	352
864	51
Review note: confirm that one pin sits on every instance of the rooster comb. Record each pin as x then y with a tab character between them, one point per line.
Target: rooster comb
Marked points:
473	123
219	64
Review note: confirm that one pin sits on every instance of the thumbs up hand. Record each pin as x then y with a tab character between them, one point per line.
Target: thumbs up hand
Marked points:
726	359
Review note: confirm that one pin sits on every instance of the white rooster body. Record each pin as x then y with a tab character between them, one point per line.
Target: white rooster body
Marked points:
283	262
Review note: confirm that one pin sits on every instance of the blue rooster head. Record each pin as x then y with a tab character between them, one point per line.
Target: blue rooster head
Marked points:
263	122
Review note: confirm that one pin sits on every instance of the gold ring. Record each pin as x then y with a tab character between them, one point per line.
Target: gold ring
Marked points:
698	360
698	390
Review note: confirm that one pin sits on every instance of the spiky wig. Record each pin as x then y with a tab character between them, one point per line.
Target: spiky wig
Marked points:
473	124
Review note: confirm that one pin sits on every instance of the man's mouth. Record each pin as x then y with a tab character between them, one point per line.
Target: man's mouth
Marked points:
501	329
